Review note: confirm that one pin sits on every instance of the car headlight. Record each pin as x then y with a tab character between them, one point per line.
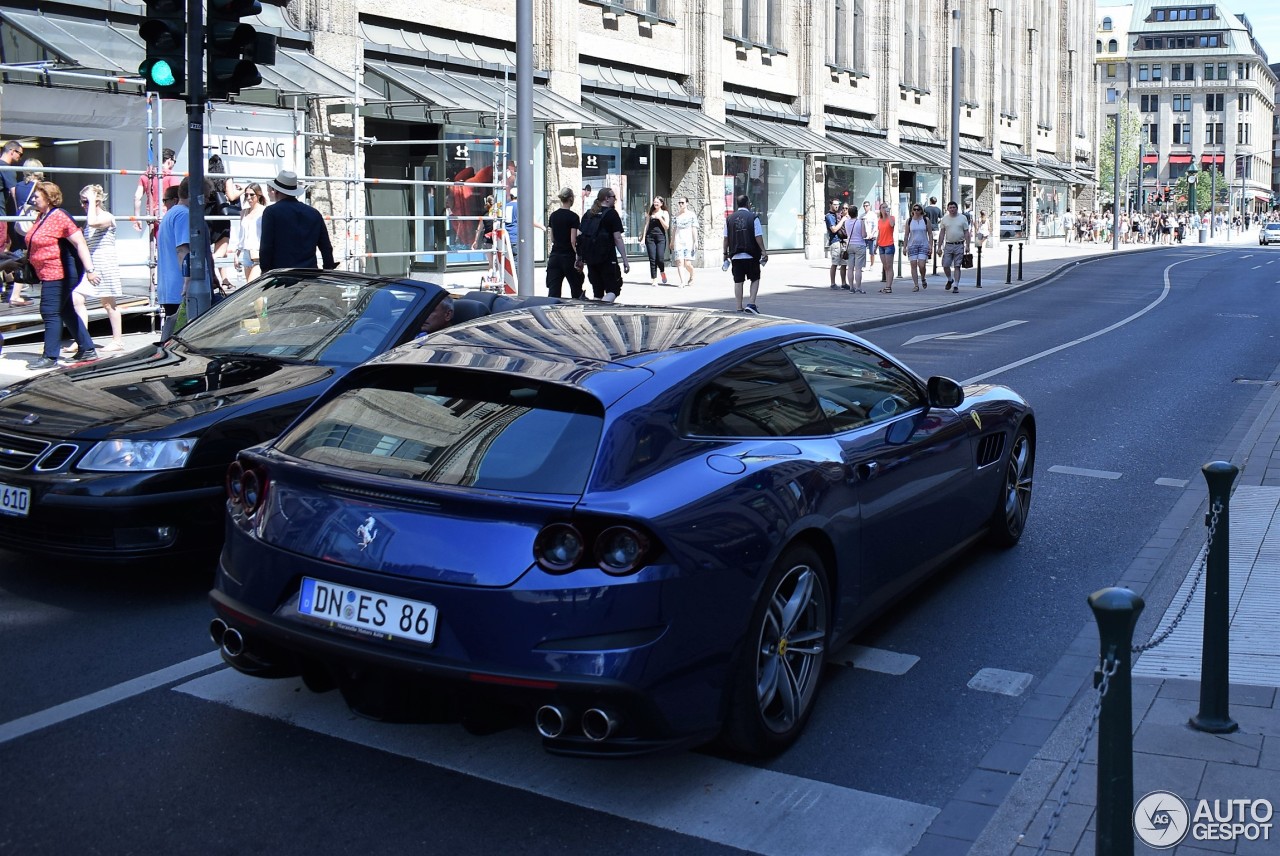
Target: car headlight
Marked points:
138	455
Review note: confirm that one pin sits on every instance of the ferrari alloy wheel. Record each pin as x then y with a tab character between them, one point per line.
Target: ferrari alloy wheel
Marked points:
782	665
1010	517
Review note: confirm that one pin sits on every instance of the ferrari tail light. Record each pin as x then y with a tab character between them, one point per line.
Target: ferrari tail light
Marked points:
618	549
621	549
246	486
558	548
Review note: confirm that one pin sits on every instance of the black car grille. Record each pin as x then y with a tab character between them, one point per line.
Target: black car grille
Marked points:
57	457
990	448
25	533
17	453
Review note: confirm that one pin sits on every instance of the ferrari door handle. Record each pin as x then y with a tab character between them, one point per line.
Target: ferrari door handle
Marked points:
867	470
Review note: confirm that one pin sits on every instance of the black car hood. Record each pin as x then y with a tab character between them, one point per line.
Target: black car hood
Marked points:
149	391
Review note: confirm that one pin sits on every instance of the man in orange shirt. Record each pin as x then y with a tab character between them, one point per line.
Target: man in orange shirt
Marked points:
151	187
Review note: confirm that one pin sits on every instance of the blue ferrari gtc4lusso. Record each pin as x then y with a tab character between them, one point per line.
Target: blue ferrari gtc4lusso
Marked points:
644	527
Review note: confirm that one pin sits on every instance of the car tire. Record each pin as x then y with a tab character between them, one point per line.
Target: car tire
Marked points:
776	678
1014	504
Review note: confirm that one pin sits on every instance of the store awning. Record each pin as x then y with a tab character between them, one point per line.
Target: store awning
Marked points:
1180	158
1031	170
1261	197
1212	159
865	147
1151	158
1083	178
981	163
116	48
780	136
445	97
928	155
663	123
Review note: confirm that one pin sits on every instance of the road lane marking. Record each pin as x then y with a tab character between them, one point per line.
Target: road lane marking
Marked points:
755	810
1168	287
874	659
1172	482
1077	471
950	337
24	725
1000	681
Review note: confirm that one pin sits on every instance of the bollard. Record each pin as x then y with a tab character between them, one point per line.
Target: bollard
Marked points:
902	251
1008	270
978	263
1116	610
935	263
1215	653
1019	261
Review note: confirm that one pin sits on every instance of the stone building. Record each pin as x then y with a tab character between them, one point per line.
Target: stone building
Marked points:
1200	82
794	103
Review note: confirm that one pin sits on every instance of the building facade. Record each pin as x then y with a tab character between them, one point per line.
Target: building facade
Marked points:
790	102
1201	85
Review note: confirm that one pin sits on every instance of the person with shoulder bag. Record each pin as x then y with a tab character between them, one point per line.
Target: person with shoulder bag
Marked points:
837	246
61	258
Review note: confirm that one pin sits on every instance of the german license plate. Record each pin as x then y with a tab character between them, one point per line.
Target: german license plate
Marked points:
14	501
368	611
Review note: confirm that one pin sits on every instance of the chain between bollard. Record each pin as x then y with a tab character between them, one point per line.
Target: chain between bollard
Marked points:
1106	669
1195	584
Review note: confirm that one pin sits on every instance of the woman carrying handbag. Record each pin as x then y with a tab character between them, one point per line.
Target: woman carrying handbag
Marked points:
57	275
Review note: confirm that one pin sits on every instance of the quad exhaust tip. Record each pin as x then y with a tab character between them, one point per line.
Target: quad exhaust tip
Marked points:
217	629
598	725
549	721
232	643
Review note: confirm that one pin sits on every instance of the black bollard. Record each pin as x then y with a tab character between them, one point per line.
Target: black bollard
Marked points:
978	273
902	251
1008	269
1215	653
1116	610
1019	261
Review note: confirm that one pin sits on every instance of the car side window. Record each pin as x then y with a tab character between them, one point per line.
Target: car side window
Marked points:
762	397
854	386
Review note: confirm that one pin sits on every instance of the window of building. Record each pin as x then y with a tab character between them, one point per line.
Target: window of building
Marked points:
1150	103
1208	71
1222	71
1181	133
1111	94
1111	69
1159	14
1156	72
1188	71
1144	72
846	35
1113	46
1213	133
1244	102
1181	103
1106	24
1151	132
1097	47
1191	14
1244	136
1213	102
757	22
1175	72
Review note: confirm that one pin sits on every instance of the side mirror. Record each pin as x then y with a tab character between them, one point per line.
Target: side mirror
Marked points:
944	392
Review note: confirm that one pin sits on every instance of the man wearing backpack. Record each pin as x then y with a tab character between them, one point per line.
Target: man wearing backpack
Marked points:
744	249
599	245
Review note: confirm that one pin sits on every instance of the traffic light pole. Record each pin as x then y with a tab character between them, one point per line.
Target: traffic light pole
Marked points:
195	149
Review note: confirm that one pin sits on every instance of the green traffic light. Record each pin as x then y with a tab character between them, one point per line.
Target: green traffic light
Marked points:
162	73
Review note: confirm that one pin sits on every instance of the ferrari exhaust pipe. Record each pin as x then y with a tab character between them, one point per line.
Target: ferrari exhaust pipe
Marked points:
598	725
217	629
232	643
550	721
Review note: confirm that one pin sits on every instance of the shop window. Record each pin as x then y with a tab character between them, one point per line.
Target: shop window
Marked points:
775	187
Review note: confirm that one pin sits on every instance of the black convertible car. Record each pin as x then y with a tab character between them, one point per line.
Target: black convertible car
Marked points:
126	458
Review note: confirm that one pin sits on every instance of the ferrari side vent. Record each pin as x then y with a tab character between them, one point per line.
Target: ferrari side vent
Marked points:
990	448
56	457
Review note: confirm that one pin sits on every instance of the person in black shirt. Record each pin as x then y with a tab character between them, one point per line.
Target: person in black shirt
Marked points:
564	224
600	244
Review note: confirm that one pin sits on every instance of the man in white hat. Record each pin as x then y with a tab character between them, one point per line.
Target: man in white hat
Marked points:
292	231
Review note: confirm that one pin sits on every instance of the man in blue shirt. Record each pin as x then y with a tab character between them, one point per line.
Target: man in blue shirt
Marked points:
173	246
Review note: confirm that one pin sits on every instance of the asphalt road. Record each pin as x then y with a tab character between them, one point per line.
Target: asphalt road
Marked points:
1138	367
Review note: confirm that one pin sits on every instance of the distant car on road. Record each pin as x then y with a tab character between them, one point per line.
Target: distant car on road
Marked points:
126	458
640	527
1269	234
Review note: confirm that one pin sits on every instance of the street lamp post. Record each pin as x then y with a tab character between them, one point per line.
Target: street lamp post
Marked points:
955	101
1191	188
1115	186
1213	199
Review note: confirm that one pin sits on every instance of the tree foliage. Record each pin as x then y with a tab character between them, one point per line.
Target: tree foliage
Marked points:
1130	133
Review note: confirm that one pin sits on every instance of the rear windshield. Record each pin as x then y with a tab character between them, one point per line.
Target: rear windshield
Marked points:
456	428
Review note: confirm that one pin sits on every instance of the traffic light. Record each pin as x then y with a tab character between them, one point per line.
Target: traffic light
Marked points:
235	49
164	33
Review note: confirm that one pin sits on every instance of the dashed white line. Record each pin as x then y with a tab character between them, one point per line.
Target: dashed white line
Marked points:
68	710
1077	471
874	659
1000	681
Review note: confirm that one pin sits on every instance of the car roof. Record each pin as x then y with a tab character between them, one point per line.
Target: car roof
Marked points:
606	349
